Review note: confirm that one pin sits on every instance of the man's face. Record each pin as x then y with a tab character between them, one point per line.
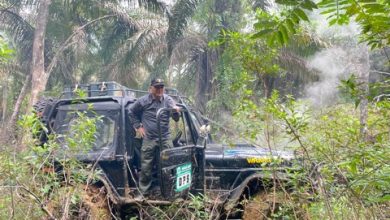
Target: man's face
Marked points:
157	91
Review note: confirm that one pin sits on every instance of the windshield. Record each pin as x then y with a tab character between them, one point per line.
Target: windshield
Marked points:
98	128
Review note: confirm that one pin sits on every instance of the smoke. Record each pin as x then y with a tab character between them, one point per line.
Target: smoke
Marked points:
330	65
334	63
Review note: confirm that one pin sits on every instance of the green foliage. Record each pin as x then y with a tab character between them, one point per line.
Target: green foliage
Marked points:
294	115
349	168
5	51
278	29
256	59
178	20
358	167
380	90
229	75
372	15
281	120
31	121
255	56
197	207
31	176
350	87
81	133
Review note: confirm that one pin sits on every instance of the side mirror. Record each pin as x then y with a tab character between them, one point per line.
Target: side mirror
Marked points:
204	130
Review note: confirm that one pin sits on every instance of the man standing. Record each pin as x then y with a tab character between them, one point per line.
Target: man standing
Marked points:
143	114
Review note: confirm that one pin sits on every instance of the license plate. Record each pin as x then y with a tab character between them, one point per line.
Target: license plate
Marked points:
183	177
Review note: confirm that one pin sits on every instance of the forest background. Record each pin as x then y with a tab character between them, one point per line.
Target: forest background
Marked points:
307	75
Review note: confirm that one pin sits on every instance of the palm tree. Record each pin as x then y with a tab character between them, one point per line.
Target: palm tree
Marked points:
33	43
190	49
138	39
21	31
38	74
142	39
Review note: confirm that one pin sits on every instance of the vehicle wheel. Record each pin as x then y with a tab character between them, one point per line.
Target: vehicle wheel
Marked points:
43	103
42	108
261	204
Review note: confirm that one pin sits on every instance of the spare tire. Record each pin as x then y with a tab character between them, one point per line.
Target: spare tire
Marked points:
43	109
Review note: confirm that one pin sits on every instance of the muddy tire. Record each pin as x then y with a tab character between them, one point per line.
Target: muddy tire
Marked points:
261	205
43	109
43	104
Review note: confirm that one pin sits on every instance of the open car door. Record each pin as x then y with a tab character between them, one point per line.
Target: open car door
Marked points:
181	168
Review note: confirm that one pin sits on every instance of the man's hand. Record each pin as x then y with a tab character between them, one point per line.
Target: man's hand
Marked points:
177	108
175	113
140	132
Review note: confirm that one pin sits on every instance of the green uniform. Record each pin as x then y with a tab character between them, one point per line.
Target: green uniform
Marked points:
149	150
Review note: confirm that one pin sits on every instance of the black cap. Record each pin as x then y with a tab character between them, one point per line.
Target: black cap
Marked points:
157	82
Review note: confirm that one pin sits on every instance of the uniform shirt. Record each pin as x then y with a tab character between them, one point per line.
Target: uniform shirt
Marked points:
144	111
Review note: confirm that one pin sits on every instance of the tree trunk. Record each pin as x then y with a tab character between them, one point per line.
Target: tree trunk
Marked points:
363	68
201	83
39	76
204	79
4	102
18	103
266	85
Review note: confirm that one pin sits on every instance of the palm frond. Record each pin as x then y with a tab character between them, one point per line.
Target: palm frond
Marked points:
298	71
123	16
154	5
180	14
188	48
262	4
21	31
126	26
13	67
147	42
134	50
290	60
293	57
8	4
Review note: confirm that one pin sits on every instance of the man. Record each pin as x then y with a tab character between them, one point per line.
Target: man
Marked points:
143	114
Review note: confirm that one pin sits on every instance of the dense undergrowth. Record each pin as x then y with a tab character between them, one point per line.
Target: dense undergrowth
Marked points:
353	172
29	187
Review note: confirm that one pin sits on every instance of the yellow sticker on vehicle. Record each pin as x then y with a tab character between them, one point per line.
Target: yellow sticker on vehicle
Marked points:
254	160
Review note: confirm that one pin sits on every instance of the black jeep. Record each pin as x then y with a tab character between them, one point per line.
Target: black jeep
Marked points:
224	173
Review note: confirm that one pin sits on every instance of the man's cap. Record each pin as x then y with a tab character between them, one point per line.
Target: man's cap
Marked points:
157	82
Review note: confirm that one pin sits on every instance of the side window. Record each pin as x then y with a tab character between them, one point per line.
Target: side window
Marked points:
104	125
105	131
180	132
188	132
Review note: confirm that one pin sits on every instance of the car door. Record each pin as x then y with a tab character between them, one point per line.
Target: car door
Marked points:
181	167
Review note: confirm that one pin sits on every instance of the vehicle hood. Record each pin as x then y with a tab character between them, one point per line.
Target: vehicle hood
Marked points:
244	155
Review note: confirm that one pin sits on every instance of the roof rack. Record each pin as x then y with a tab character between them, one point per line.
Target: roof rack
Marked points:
111	89
100	89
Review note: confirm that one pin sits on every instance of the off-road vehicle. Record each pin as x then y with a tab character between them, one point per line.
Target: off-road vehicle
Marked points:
196	164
